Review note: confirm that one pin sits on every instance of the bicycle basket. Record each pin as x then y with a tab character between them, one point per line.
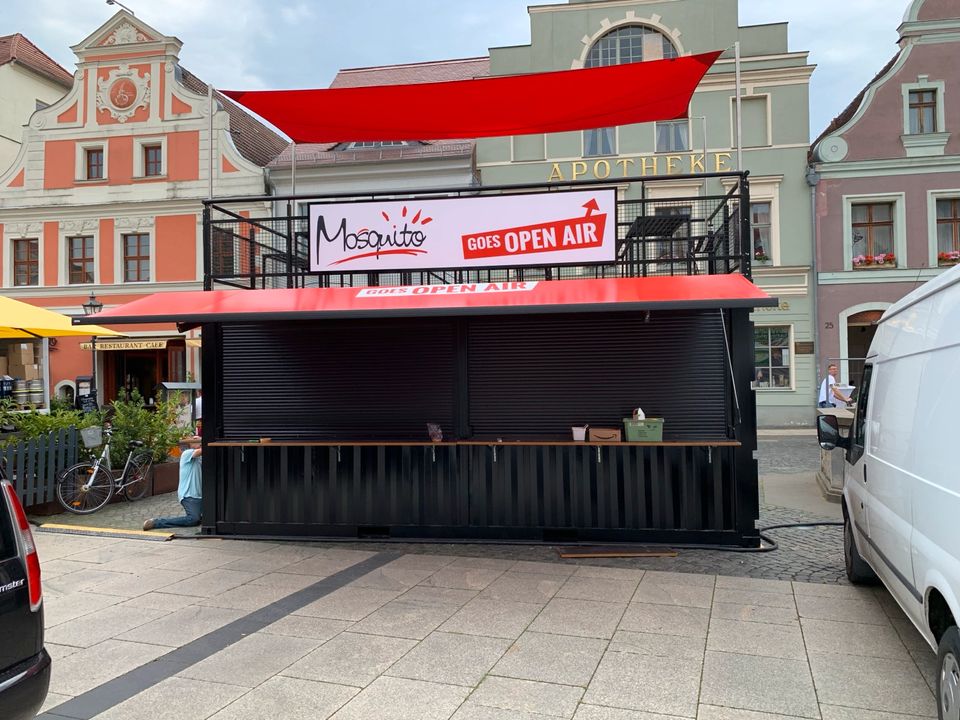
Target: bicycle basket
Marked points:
92	437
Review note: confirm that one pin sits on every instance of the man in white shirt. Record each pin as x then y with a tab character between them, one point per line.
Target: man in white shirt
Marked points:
830	392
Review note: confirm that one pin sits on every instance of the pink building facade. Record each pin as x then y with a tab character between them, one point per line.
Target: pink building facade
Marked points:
887	198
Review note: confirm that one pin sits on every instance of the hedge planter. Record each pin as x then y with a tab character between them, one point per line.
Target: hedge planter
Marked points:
166	477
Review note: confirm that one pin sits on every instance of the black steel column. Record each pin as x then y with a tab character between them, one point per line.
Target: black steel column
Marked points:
745	233
210	384
746	472
207	264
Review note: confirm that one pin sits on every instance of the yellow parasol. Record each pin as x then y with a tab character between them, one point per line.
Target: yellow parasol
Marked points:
22	320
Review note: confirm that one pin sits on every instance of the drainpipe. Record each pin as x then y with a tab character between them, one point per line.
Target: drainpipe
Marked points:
813	179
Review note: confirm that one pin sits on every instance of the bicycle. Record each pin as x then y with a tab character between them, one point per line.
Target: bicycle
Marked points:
86	487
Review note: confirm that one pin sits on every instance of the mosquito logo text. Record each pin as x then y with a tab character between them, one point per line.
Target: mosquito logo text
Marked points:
400	238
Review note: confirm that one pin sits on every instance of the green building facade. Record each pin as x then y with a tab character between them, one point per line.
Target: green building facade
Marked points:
775	141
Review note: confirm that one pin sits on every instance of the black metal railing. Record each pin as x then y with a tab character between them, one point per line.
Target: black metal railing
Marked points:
704	234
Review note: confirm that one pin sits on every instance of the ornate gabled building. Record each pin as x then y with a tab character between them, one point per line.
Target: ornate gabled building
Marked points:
888	200
104	197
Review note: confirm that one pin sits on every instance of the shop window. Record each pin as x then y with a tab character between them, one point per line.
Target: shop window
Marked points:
80	260
772	357
922	112
872	235
94	163
152	160
26	262
136	257
673	136
760	227
948	231
633	43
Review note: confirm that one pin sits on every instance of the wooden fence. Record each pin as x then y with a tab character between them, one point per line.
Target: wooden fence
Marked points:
34	464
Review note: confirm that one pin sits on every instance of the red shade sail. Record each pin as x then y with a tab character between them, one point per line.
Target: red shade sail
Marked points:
480	298
485	107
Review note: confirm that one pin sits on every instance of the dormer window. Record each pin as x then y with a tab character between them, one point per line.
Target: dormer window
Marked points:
376	144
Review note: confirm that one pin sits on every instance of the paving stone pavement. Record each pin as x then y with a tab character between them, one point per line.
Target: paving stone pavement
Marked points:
238	630
812	554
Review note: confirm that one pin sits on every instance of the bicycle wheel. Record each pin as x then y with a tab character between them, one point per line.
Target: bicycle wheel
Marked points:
74	494
137	480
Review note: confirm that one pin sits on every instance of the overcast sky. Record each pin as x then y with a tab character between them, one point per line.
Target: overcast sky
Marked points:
252	44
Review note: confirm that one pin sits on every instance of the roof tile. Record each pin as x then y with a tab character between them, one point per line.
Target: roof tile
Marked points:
255	140
423	72
17	48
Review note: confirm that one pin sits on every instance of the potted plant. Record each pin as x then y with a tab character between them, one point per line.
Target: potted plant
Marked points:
760	256
157	427
880	260
946	259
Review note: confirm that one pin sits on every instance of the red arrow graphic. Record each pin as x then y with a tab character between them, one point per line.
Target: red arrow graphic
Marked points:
591	207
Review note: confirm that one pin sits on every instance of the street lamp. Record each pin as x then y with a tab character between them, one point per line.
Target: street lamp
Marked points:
92	307
114	2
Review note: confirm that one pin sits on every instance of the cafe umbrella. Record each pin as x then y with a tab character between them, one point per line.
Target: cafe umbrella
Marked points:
26	321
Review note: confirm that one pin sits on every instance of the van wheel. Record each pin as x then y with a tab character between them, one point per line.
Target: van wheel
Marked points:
858	572
948	677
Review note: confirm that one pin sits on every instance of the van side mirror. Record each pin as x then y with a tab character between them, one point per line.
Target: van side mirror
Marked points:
828	433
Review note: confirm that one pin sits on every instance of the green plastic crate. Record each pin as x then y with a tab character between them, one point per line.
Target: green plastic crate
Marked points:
646	430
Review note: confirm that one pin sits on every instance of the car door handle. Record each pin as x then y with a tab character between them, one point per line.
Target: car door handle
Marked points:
864	474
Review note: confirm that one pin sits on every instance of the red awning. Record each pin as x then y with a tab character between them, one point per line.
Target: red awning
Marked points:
485	107
530	297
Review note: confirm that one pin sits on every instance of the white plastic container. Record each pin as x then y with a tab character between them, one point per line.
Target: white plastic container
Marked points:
579	433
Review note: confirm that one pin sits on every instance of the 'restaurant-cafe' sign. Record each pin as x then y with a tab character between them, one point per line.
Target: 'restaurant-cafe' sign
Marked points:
576	227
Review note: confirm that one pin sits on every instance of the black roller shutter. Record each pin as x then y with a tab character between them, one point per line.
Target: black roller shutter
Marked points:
337	380
537	376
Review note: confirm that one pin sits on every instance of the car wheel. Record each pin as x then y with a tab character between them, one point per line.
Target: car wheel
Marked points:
858	572
948	677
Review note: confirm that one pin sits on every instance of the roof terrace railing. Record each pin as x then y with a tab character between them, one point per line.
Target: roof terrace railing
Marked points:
693	235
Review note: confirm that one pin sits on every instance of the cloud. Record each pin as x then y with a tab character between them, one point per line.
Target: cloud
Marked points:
302	43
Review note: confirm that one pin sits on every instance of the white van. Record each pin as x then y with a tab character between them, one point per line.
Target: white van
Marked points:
901	490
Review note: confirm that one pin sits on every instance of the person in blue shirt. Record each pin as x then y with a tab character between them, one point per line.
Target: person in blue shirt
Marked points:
188	491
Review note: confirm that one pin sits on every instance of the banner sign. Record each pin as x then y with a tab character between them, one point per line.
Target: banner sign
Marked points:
126	345
557	228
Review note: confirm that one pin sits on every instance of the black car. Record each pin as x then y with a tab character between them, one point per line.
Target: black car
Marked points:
24	663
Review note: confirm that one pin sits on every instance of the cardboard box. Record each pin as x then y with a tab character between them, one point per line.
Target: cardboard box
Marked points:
599	434
24	372
20	354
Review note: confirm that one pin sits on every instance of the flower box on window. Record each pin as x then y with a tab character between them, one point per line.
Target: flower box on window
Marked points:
874	262
946	259
759	256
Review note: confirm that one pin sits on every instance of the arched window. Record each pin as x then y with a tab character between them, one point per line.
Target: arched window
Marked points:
633	43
